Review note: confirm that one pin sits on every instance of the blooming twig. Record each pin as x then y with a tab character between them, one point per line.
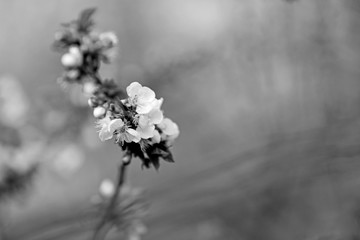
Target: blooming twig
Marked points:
133	119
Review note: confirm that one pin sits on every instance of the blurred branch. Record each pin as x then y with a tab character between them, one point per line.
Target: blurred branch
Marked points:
101	230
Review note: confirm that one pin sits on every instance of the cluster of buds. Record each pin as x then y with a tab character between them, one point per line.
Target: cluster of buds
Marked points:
84	49
133	119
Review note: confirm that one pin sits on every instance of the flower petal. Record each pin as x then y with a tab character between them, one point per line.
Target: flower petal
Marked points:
169	127
156	116
143	108
146	132
133	89
143	121
156	138
103	121
115	124
104	134
156	104
146	95
131	135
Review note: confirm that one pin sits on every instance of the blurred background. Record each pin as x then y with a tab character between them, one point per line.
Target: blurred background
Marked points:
266	94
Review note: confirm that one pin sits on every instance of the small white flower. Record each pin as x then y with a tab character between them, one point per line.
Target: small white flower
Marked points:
107	188
169	128
73	58
108	127
142	97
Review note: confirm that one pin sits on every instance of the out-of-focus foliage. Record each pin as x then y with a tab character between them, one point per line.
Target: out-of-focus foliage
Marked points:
266	94
25	145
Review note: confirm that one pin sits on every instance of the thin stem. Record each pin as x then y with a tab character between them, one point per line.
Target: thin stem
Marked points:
95	76
99	231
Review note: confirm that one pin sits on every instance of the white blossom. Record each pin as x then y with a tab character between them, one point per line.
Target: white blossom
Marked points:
141	97
108	128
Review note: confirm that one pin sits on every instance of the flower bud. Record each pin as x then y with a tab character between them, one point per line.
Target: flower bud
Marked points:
92	102
107	188
73	58
72	74
126	159
89	88
99	112
68	60
108	39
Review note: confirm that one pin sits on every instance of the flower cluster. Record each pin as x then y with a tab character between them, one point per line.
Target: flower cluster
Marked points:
138	125
134	118
144	119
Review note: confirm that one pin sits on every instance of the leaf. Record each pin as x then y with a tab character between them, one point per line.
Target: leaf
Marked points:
145	162
158	152
169	157
151	155
155	162
85	21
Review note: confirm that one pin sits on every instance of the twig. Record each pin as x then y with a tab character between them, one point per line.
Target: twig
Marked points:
100	234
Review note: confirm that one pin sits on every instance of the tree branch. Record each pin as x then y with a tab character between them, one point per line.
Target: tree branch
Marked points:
101	231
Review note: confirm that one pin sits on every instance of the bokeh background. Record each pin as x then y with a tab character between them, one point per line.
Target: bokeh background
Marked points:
266	94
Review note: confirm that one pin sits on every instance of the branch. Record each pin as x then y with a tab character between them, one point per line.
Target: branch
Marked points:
101	230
